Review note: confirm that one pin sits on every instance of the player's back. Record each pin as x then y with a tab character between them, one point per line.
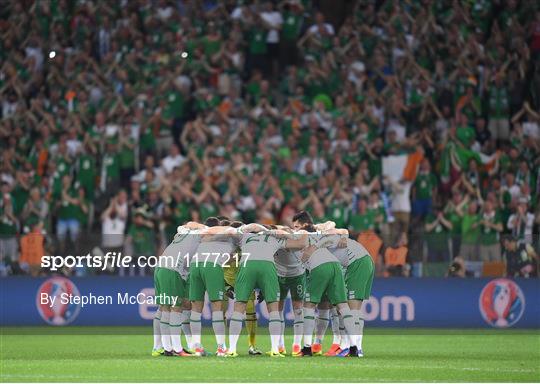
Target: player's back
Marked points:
288	263
321	255
215	251
260	246
178	252
355	250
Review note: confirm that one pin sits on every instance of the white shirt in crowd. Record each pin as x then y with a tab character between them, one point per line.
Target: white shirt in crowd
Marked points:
318	165
275	20
522	228
171	162
400	197
112	231
315	29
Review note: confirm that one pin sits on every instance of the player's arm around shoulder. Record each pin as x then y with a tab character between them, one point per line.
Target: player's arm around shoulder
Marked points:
297	240
326	226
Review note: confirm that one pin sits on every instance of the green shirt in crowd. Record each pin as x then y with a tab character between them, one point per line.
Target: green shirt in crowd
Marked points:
424	184
68	210
490	236
362	222
143	240
470	234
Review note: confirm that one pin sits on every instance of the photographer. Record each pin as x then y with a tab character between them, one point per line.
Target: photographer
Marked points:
521	259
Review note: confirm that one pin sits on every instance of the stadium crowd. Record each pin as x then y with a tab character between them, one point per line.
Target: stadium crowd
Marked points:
127	118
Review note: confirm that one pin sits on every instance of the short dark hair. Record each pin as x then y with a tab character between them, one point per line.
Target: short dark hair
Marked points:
211	221
309	227
236	224
303	217
225	222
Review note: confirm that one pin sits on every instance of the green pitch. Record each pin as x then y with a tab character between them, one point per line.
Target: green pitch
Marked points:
39	354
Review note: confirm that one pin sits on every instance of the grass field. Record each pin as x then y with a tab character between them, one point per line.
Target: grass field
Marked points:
39	354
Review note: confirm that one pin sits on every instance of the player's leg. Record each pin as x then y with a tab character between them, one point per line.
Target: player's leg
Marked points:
345	341
245	283
321	325
337	296
235	327
274	328
157	350
218	324
196	296
251	325
283	291
164	281
359	279
297	288
298	326
336	335
267	279
175	325
165	329
175	320
317	284
186	314
356	306
215	286
281	309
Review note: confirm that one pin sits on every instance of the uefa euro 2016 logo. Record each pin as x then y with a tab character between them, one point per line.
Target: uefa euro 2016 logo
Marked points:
501	303
59	313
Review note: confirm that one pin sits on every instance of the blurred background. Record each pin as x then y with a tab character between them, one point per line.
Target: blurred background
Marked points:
414	124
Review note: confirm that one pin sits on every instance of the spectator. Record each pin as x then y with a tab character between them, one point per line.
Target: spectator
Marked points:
490	228
33	249
470	233
499	125
69	205
457	268
395	258
175	159
113	226
290	31
8	231
140	242
521	222
521	259
36	208
401	206
362	220
423	190
453	211
273	21
438	229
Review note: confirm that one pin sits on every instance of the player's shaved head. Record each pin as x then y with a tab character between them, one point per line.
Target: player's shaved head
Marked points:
236	224
211	221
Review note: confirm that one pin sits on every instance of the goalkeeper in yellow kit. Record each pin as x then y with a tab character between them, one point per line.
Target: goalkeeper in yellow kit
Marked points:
230	272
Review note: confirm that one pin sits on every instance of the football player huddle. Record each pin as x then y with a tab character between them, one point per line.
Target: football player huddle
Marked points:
327	274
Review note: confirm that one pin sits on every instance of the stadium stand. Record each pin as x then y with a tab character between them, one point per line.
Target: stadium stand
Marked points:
178	110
